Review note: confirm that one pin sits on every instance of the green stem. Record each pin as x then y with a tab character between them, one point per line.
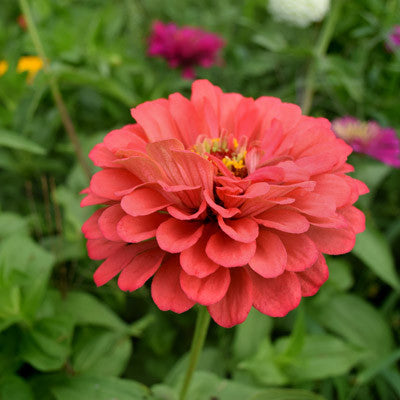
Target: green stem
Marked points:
319	52
200	333
54	88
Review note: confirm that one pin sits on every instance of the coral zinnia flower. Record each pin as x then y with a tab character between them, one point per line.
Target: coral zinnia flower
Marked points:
184	47
369	138
228	201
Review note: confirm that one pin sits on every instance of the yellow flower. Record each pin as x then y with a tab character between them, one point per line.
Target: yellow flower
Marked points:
3	67
32	64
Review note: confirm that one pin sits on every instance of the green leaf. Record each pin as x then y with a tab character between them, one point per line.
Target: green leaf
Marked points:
206	386
46	346
100	388
15	141
357	321
285	394
25	266
263	366
322	356
13	387
85	309
373	249
11	223
339	273
101	353
249	334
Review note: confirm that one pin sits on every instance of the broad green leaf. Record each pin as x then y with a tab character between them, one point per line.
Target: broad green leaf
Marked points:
211	360
357	321
26	265
101	353
373	249
15	141
339	273
85	309
322	356
13	387
378	367
263	366
249	334
285	394
206	386
46	345
100	388
11	223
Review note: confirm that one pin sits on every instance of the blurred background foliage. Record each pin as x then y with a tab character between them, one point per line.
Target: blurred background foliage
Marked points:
61	338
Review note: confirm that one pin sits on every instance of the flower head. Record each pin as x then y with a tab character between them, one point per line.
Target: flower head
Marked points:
30	64
393	40
299	12
184	47
228	201
369	138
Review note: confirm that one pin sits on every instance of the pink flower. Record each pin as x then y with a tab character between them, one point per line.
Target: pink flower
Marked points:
184	47
393	40
369	138
228	201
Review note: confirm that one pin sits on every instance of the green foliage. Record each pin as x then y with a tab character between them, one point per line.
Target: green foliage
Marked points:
61	338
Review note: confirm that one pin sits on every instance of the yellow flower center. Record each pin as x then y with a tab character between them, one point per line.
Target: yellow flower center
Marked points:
227	149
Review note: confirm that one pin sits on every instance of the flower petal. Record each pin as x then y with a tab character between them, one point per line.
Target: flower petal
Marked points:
99	249
235	306
284	220
175	235
118	260
333	186
301	251
143	201
194	260
90	228
276	296
166	290
243	229
355	218
102	157
332	241
270	257
140	269
107	182
227	252
108	222
313	278
208	290
136	229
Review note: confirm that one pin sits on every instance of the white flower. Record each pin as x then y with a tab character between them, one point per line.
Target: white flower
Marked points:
299	12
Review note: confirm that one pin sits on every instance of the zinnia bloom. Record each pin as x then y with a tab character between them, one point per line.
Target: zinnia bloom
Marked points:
184	47
393	40
228	201
299	12
369	138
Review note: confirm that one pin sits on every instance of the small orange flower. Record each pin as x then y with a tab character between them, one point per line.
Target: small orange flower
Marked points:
32	64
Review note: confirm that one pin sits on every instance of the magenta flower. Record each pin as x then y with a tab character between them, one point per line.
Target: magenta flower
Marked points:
184	47
393	40
369	138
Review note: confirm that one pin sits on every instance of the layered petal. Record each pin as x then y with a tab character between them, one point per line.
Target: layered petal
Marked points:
276	296
207	290
227	252
166	290
270	258
236	304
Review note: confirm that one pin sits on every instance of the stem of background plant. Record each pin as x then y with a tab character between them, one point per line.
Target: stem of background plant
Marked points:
55	90
200	333
319	52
